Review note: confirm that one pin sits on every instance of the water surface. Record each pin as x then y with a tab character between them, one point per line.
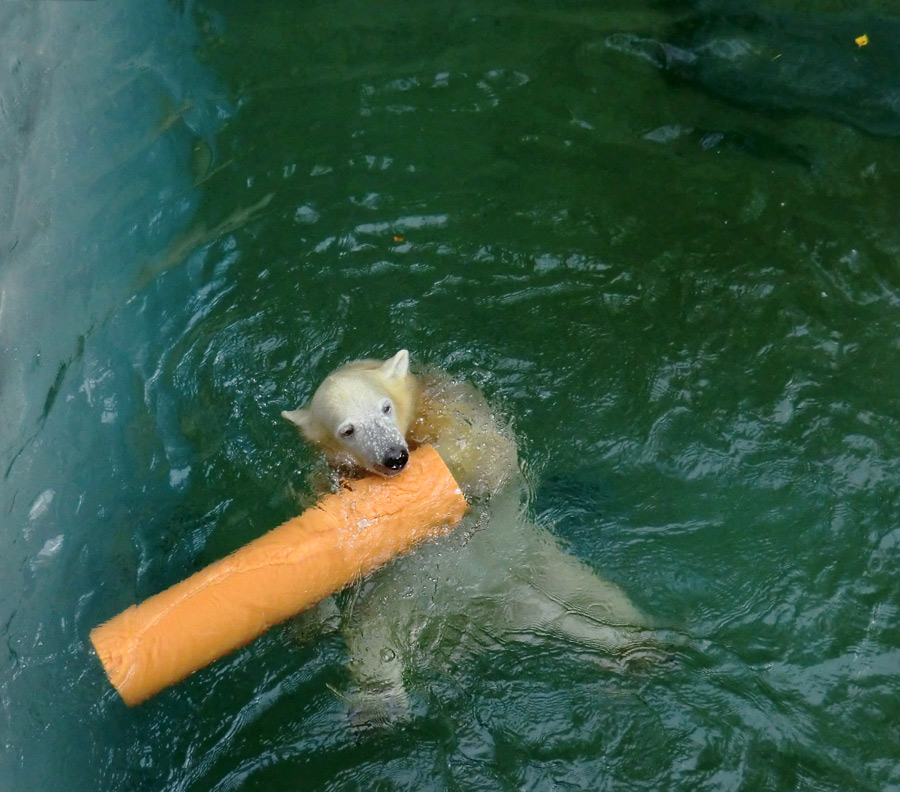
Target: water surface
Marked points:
670	263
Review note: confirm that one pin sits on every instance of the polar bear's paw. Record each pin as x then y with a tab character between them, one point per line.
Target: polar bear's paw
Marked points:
377	706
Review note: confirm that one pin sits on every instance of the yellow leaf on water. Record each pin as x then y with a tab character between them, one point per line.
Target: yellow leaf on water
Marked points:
862	40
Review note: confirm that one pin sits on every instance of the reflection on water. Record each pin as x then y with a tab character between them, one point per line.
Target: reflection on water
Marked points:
102	107
790	63
98	131
686	300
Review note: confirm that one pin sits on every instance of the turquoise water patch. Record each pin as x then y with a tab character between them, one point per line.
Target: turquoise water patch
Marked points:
683	293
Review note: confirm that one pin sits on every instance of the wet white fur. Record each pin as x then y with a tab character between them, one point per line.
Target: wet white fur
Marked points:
498	578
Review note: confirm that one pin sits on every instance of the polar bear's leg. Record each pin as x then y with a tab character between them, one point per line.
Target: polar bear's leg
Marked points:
377	660
544	590
567	598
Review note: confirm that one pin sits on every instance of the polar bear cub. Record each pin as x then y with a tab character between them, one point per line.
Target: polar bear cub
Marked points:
498	578
367	415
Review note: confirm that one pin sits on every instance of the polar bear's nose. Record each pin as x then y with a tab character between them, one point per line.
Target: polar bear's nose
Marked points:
396	458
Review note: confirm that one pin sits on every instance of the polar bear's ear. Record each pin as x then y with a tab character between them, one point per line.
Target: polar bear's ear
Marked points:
396	367
297	417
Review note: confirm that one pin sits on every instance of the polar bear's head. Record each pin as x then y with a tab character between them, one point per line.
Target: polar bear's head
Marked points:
360	415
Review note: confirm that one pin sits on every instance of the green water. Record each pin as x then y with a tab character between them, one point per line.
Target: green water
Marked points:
672	264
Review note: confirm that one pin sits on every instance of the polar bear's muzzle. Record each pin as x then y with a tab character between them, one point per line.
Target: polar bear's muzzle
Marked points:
381	448
394	460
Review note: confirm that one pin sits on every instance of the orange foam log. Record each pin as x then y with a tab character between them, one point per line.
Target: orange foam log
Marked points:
345	536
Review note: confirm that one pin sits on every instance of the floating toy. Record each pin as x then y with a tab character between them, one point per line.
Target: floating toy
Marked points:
344	537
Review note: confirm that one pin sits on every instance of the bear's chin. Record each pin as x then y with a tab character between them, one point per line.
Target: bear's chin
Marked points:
385	472
350	467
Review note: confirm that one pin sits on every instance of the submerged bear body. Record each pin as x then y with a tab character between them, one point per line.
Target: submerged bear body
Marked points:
498	578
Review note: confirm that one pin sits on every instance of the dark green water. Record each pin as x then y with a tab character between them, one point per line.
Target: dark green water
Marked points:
663	239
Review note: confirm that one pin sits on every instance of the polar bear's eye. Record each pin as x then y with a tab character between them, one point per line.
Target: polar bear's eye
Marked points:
386	408
347	431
